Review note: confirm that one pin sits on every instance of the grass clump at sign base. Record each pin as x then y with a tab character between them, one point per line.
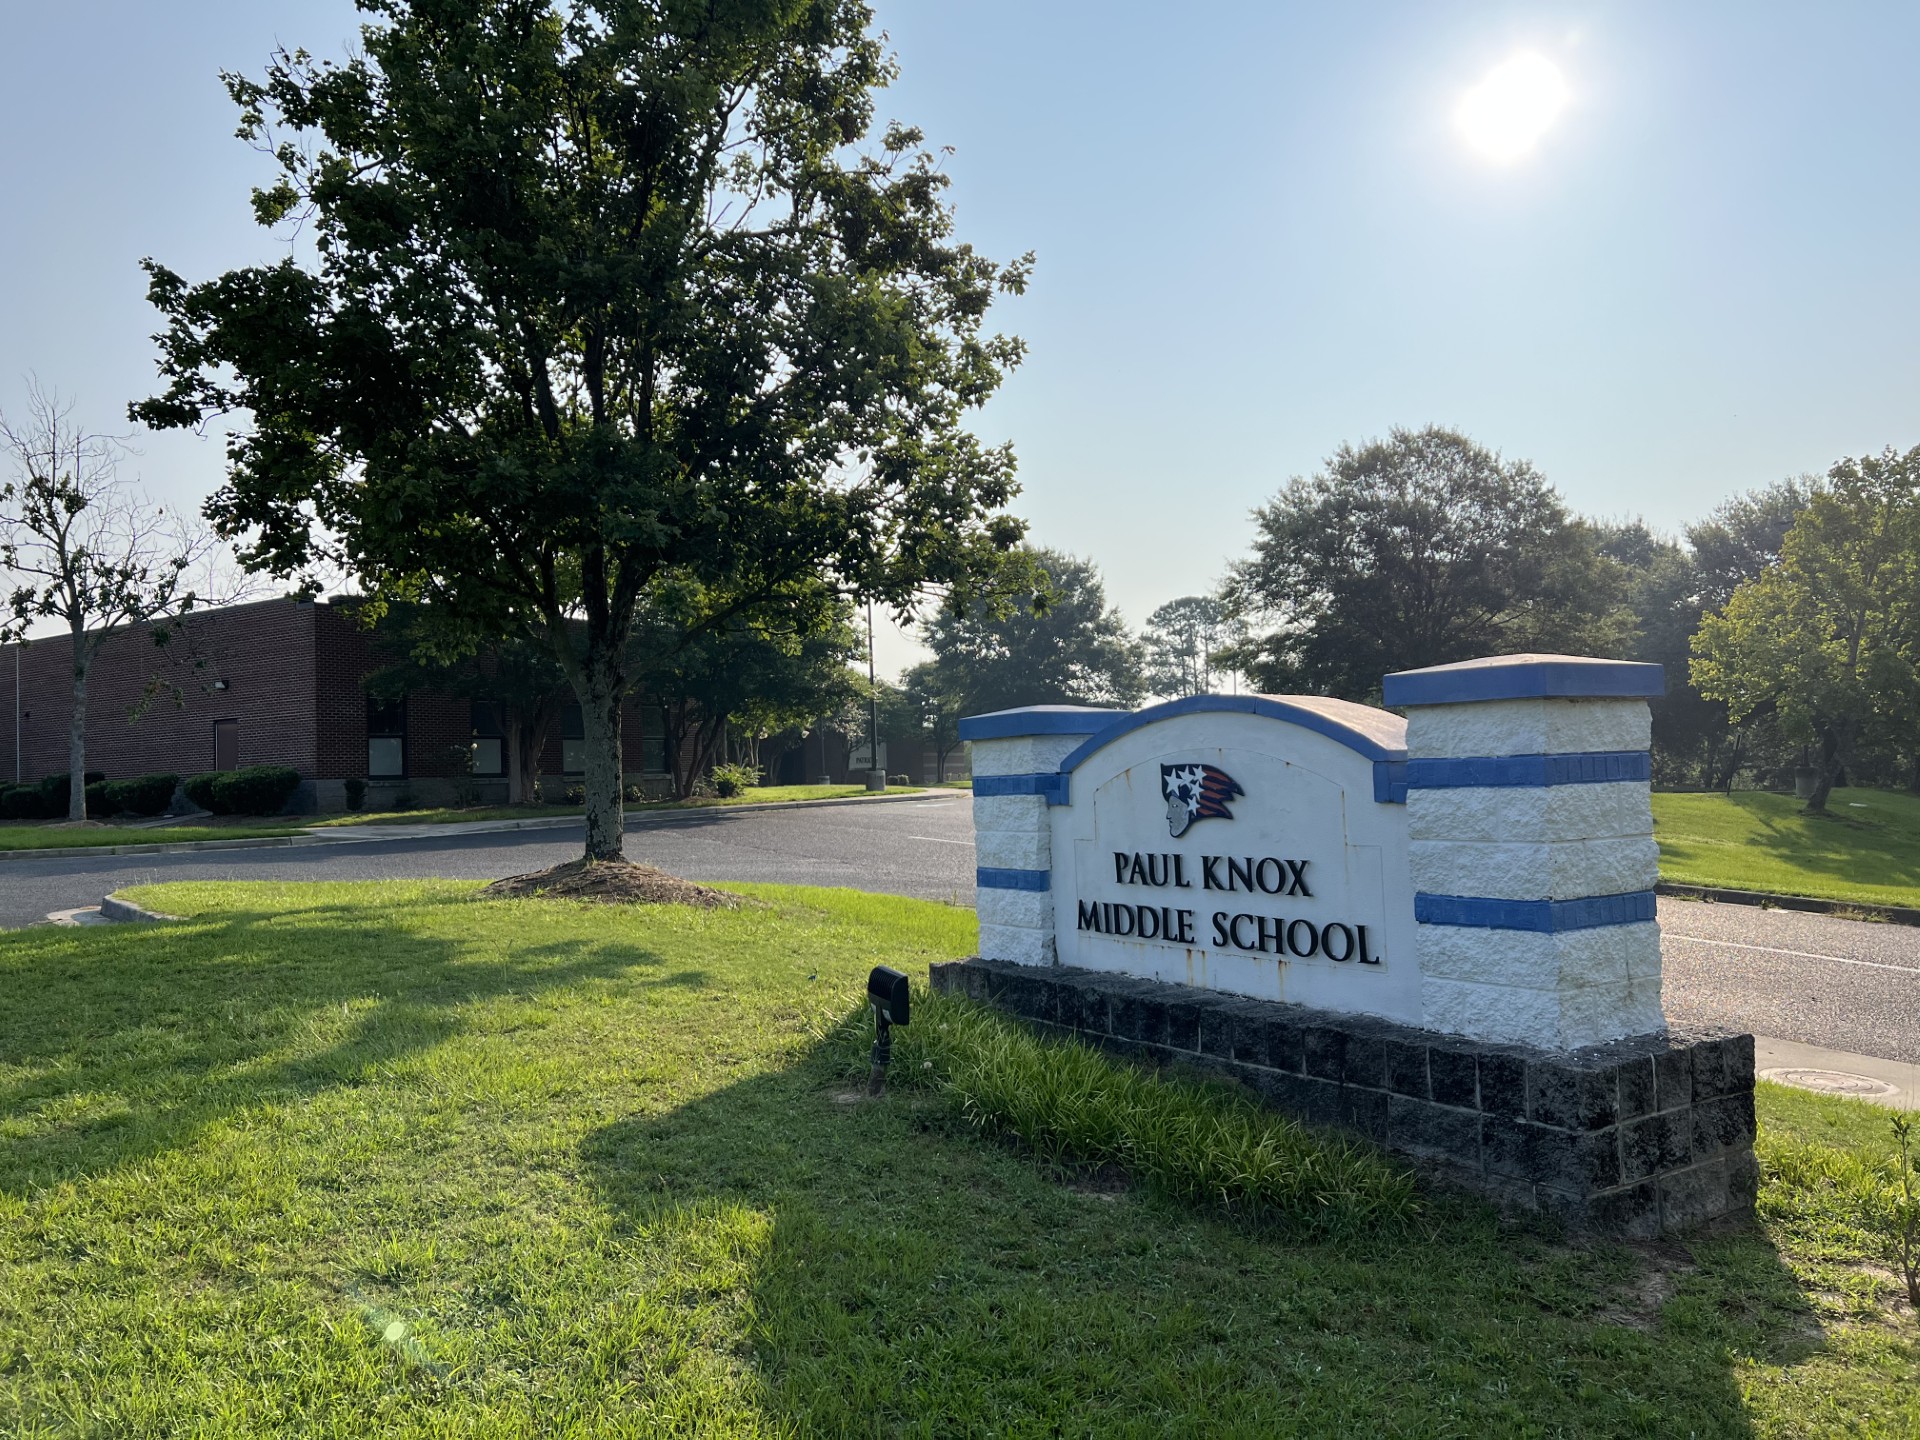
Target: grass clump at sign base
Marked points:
1196	1140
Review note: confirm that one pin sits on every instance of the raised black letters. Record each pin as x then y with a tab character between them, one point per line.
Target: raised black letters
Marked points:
1345	932
1210	873
1299	885
1293	938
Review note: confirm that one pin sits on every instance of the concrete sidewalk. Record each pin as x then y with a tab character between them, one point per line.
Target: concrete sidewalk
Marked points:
1836	1072
374	831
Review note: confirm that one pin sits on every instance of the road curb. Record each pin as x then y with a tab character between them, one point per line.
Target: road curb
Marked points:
125	912
348	835
1849	909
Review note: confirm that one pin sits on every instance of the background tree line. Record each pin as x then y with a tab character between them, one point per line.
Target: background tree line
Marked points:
1785	618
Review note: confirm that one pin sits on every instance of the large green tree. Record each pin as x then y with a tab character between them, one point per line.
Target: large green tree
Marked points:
1419	549
749	674
601	294
1185	644
1827	640
1067	647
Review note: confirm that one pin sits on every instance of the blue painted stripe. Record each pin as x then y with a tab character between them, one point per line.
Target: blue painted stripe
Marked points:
1372	732
1476	772
1038	720
1390	782
1525	677
995	877
1546	917
1053	785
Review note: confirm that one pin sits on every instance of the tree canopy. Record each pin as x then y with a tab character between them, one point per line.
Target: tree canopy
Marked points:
1828	638
1069	647
1420	549
603	296
1184	645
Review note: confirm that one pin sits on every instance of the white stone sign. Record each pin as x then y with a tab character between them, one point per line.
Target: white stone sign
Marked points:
1235	843
1484	868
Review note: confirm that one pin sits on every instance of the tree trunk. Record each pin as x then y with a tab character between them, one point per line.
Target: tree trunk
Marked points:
516	772
77	731
606	772
1829	769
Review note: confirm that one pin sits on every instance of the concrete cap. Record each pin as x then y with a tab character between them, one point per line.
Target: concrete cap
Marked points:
1038	720
1525	677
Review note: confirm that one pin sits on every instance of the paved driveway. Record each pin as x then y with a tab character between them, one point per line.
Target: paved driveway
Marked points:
1835	983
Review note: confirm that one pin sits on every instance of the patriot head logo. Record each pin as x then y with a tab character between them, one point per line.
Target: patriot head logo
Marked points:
1196	792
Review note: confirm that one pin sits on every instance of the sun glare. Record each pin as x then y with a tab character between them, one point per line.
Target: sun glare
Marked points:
1504	116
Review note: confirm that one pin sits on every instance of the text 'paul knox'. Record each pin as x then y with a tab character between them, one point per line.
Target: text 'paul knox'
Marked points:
1251	874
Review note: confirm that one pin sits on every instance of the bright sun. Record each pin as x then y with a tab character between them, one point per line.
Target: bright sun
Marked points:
1504	116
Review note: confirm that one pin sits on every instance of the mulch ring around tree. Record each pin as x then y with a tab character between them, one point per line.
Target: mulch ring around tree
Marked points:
612	882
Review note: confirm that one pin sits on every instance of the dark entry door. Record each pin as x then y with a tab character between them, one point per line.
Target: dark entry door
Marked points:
226	744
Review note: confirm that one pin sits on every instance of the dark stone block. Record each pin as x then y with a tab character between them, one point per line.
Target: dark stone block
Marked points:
1557	1158
1698	1193
1654	1145
1326	1052
1150	1019
1571	1097
1028	998
1216	1029
1721	1124
1503	1085
1365	1061
1743	1181
1739	1053
1632	1211
1362	1111
1250	1026
1183	1026
1313	1102
1454	1076
1123	1009
1407	1069
1287	1046
1419	1127
1638	1095
1673	1076
1711	1072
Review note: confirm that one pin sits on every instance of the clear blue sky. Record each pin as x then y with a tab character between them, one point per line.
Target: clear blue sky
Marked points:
1259	234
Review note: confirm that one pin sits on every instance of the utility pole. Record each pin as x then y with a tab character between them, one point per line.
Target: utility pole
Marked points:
876	773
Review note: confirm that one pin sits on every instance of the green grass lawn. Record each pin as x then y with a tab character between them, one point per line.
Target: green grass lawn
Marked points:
51	837
1866	848
385	1159
759	795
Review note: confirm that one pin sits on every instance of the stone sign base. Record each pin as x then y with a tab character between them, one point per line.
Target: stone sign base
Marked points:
1635	1137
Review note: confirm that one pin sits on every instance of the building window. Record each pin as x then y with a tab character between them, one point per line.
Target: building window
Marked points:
653	740
573	742
386	738
226	744
489	739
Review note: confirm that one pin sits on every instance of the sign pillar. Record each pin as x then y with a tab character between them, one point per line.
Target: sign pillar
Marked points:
1016	757
1531	847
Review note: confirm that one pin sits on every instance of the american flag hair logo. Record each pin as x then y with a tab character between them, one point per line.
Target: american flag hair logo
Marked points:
1196	792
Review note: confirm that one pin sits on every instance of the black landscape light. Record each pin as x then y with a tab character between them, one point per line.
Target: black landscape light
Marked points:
887	994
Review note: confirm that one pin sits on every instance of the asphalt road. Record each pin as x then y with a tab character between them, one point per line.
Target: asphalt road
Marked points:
1842	984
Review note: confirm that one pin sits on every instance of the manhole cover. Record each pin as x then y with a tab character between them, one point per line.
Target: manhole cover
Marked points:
1832	1082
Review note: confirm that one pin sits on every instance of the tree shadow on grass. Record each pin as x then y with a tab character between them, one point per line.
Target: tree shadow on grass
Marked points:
1835	844
906	1276
117	1044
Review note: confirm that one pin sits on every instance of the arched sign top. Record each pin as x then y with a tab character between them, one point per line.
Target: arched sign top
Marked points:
1378	735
